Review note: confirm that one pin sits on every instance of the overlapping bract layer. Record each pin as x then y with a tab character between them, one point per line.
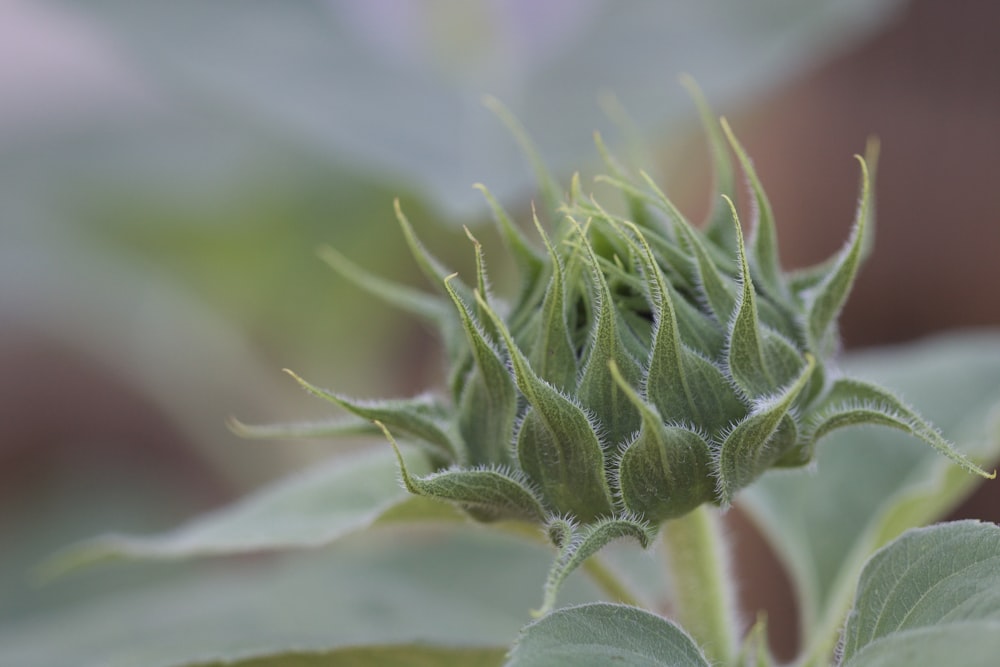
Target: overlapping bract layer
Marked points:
645	366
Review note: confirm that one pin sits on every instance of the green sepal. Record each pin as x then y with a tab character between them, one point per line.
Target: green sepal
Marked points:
488	402
750	448
321	428
759	359
764	242
577	546
552	354
666	471
716	288
488	494
683	386
482	285
430	266
557	445
597	389
852	402
421	417
407	299
717	227
637	205
825	300
550	190
530	263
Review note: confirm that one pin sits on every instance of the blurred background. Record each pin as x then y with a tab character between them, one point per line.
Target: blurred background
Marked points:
168	170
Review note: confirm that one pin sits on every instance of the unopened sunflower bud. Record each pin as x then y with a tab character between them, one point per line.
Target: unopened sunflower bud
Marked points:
645	366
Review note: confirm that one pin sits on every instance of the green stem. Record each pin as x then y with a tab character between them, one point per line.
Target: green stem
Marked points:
609	582
698	564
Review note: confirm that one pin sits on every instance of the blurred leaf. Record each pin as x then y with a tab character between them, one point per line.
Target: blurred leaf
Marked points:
595	635
929	598
382	587
308	509
397	87
411	655
870	485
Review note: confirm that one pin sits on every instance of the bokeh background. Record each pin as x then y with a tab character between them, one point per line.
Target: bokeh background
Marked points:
168	170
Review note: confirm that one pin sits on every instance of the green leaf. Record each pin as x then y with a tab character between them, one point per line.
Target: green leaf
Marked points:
488	404
335	84
387	587
405	655
557	446
756	442
955	380
764	242
487	494
826	299
420	417
601	634
937	586
597	389
310	509
576	547
855	402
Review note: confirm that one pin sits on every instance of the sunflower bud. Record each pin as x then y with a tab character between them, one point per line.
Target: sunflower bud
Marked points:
646	366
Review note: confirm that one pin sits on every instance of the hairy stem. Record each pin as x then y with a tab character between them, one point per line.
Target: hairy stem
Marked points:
698	564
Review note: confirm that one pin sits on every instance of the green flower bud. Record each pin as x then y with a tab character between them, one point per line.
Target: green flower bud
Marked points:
645	367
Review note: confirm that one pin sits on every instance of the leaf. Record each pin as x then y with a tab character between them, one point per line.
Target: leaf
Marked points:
955	380
399	586
488	404
557	446
331	76
488	494
576	547
306	510
404	655
753	445
600	634
826	299
864	403
938	587
420	417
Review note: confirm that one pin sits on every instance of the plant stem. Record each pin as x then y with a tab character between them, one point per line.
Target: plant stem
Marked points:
609	582
698	565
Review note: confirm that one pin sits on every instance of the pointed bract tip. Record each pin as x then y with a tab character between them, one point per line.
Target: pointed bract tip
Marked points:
472	238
